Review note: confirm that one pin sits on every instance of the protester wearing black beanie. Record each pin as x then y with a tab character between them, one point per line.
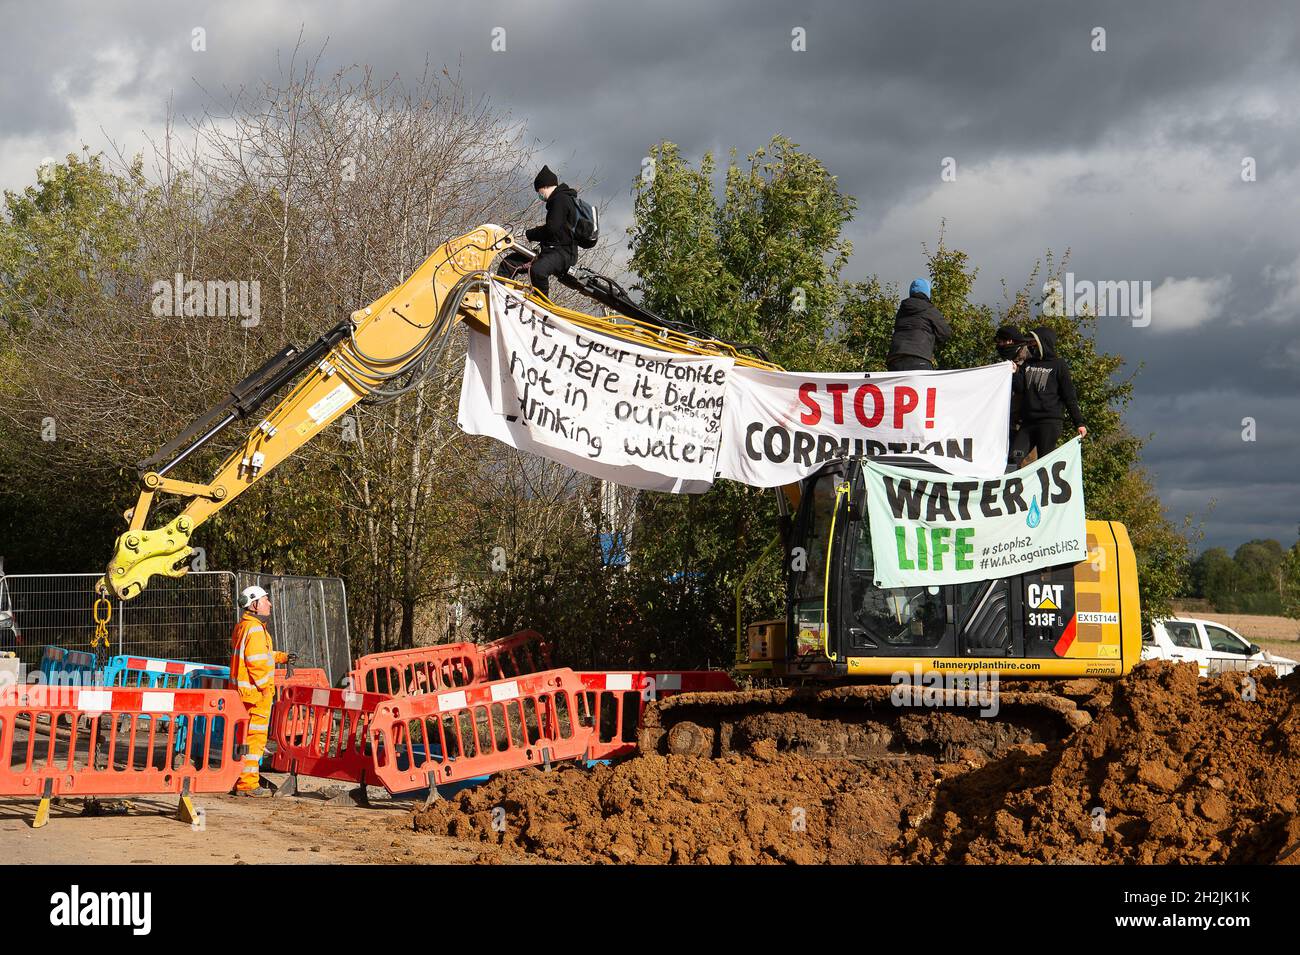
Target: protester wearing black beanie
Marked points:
559	249
545	178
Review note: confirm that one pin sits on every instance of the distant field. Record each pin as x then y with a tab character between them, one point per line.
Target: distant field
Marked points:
1256	627
1283	648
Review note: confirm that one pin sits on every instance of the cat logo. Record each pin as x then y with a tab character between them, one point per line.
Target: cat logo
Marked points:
1045	596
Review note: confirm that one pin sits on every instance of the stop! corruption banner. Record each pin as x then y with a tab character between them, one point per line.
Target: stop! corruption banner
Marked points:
929	529
779	427
632	415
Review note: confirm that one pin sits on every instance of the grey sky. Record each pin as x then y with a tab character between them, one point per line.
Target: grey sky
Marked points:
1130	157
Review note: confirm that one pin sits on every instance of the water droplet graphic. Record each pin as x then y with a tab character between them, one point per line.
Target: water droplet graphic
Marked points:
1035	515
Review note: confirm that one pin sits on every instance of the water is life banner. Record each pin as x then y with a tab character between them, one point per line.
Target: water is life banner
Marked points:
929	529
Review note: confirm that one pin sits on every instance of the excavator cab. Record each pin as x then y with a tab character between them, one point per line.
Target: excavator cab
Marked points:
1071	620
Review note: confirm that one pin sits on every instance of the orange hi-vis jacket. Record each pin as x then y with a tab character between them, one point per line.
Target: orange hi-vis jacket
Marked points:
252	665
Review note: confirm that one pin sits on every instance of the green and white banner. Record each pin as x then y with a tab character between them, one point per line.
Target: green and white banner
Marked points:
929	528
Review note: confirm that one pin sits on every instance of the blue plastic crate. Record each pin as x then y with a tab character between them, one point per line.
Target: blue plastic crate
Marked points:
58	664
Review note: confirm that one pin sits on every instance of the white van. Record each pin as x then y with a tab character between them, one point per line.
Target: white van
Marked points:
1211	646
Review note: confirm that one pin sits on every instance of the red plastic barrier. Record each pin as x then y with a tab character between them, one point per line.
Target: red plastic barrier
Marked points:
76	741
516	655
446	666
302	676
156	665
615	702
478	730
418	670
323	732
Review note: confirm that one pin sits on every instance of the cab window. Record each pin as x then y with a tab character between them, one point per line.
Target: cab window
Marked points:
811	582
901	616
1224	641
1183	634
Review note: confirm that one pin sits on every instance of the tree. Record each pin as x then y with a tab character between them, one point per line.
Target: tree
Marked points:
322	193
1213	576
1291	582
729	266
761	265
1259	577
70	260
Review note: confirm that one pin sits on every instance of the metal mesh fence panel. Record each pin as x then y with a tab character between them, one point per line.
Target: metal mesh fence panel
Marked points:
183	618
309	616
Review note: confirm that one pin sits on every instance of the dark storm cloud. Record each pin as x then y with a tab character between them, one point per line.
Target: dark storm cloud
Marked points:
1130	157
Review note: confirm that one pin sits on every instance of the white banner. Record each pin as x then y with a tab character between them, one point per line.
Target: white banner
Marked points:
624	413
781	426
929	529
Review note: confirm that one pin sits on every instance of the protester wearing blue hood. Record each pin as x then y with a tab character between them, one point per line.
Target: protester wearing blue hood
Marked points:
919	328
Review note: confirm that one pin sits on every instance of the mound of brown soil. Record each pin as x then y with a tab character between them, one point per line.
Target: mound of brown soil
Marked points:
1172	768
1177	769
754	808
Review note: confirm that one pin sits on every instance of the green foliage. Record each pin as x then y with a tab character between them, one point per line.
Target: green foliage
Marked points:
762	265
68	244
67	240
1291	582
1258	578
598	616
759	265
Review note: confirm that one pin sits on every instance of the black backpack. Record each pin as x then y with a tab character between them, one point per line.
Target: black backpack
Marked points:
586	231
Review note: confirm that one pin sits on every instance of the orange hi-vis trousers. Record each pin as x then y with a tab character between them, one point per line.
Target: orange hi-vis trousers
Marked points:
259	723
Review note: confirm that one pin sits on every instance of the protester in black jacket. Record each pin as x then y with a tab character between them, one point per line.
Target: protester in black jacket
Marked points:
1012	346
559	248
1045	389
918	328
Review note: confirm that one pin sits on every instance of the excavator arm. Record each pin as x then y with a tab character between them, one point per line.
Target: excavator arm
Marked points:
378	353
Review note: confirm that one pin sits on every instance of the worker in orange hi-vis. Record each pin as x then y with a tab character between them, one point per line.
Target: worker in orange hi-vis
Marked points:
252	672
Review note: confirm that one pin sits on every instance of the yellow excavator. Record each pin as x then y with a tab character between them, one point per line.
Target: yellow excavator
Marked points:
1070	621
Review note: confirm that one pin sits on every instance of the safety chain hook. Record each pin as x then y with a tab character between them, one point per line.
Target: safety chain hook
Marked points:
103	613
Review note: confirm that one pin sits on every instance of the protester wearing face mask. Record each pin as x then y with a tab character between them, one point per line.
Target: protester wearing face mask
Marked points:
1011	346
1046	391
559	249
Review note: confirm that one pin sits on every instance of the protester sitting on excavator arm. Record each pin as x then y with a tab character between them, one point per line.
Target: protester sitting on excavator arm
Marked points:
559	251
919	328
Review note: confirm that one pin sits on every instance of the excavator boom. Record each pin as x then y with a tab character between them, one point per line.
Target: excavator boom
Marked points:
378	353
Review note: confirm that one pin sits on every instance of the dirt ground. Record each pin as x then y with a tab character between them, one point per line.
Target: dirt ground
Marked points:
1160	767
302	830
1171	768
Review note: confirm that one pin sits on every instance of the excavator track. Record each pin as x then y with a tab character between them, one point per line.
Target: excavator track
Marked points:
860	722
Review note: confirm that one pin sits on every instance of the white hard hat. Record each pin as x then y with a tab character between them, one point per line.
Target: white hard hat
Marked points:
250	595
